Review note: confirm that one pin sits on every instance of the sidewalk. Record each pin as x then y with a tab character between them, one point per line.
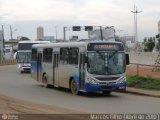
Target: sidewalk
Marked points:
152	93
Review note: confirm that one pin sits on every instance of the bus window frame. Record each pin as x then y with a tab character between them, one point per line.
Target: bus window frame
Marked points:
47	58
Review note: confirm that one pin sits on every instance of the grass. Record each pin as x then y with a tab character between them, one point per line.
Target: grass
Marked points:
143	82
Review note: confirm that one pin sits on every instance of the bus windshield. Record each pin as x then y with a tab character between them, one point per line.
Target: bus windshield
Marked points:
106	63
24	57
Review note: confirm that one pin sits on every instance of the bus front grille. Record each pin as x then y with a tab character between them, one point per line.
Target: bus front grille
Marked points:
107	78
26	69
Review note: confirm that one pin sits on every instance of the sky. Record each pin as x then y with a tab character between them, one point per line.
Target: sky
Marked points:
26	15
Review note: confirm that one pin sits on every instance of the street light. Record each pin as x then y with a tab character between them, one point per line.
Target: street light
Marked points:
135	12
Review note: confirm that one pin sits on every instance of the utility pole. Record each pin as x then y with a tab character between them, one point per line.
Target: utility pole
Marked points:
64	33
11	36
101	34
3	39
11	32
56	32
135	12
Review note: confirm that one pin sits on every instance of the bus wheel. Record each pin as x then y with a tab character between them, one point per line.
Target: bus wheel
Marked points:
45	81
106	92
74	87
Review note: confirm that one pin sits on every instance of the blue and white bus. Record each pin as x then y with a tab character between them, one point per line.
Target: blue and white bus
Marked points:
81	66
24	54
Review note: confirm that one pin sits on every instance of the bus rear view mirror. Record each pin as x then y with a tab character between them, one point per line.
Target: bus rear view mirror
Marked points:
127	59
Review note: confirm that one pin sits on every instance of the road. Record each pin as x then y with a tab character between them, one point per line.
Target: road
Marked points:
22	86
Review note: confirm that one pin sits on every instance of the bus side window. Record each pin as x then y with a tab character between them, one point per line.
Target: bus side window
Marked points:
34	55
64	56
47	55
73	57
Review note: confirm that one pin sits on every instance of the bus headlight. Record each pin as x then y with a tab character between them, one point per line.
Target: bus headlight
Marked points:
91	80
20	65
122	80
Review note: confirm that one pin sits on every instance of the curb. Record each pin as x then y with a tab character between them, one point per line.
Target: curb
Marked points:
142	93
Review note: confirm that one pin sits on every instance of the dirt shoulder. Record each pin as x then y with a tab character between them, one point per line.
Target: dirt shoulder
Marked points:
15	106
15	109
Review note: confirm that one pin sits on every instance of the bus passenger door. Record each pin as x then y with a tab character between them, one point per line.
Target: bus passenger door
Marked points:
39	66
55	68
82	70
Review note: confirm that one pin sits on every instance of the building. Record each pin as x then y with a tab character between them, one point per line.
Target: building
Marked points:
155	49
73	38
49	38
131	39
159	27
40	33
104	34
22	38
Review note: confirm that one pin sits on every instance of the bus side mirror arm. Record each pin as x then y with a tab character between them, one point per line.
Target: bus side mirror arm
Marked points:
86	61
127	59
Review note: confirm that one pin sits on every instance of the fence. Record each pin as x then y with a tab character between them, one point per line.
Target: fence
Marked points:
142	70
8	62
132	69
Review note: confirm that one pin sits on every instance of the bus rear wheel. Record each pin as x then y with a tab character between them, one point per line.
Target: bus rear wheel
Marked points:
74	87
45	81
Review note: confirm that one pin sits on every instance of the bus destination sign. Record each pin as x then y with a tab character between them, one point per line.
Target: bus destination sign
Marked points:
105	47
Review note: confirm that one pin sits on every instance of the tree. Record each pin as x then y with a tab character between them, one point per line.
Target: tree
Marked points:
145	39
158	46
149	44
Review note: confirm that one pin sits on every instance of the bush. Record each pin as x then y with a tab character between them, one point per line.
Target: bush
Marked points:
143	82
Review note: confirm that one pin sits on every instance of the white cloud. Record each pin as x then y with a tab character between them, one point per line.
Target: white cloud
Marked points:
92	12
60	9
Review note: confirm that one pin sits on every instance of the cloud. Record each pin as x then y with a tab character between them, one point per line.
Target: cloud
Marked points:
59	9
82	12
93	11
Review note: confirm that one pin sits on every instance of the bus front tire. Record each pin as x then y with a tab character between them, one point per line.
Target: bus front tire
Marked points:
74	87
45	81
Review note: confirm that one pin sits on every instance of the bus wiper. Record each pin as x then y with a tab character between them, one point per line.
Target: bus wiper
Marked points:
114	62
113	54
100	54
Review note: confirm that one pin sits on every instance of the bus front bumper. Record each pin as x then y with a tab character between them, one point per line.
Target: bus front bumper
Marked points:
24	67
105	87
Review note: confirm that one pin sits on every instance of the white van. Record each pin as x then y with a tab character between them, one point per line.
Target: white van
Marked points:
8	52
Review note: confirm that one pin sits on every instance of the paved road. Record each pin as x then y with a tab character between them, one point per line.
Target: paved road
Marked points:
22	86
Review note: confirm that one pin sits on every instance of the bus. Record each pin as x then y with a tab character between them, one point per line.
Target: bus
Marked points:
81	66
23	54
